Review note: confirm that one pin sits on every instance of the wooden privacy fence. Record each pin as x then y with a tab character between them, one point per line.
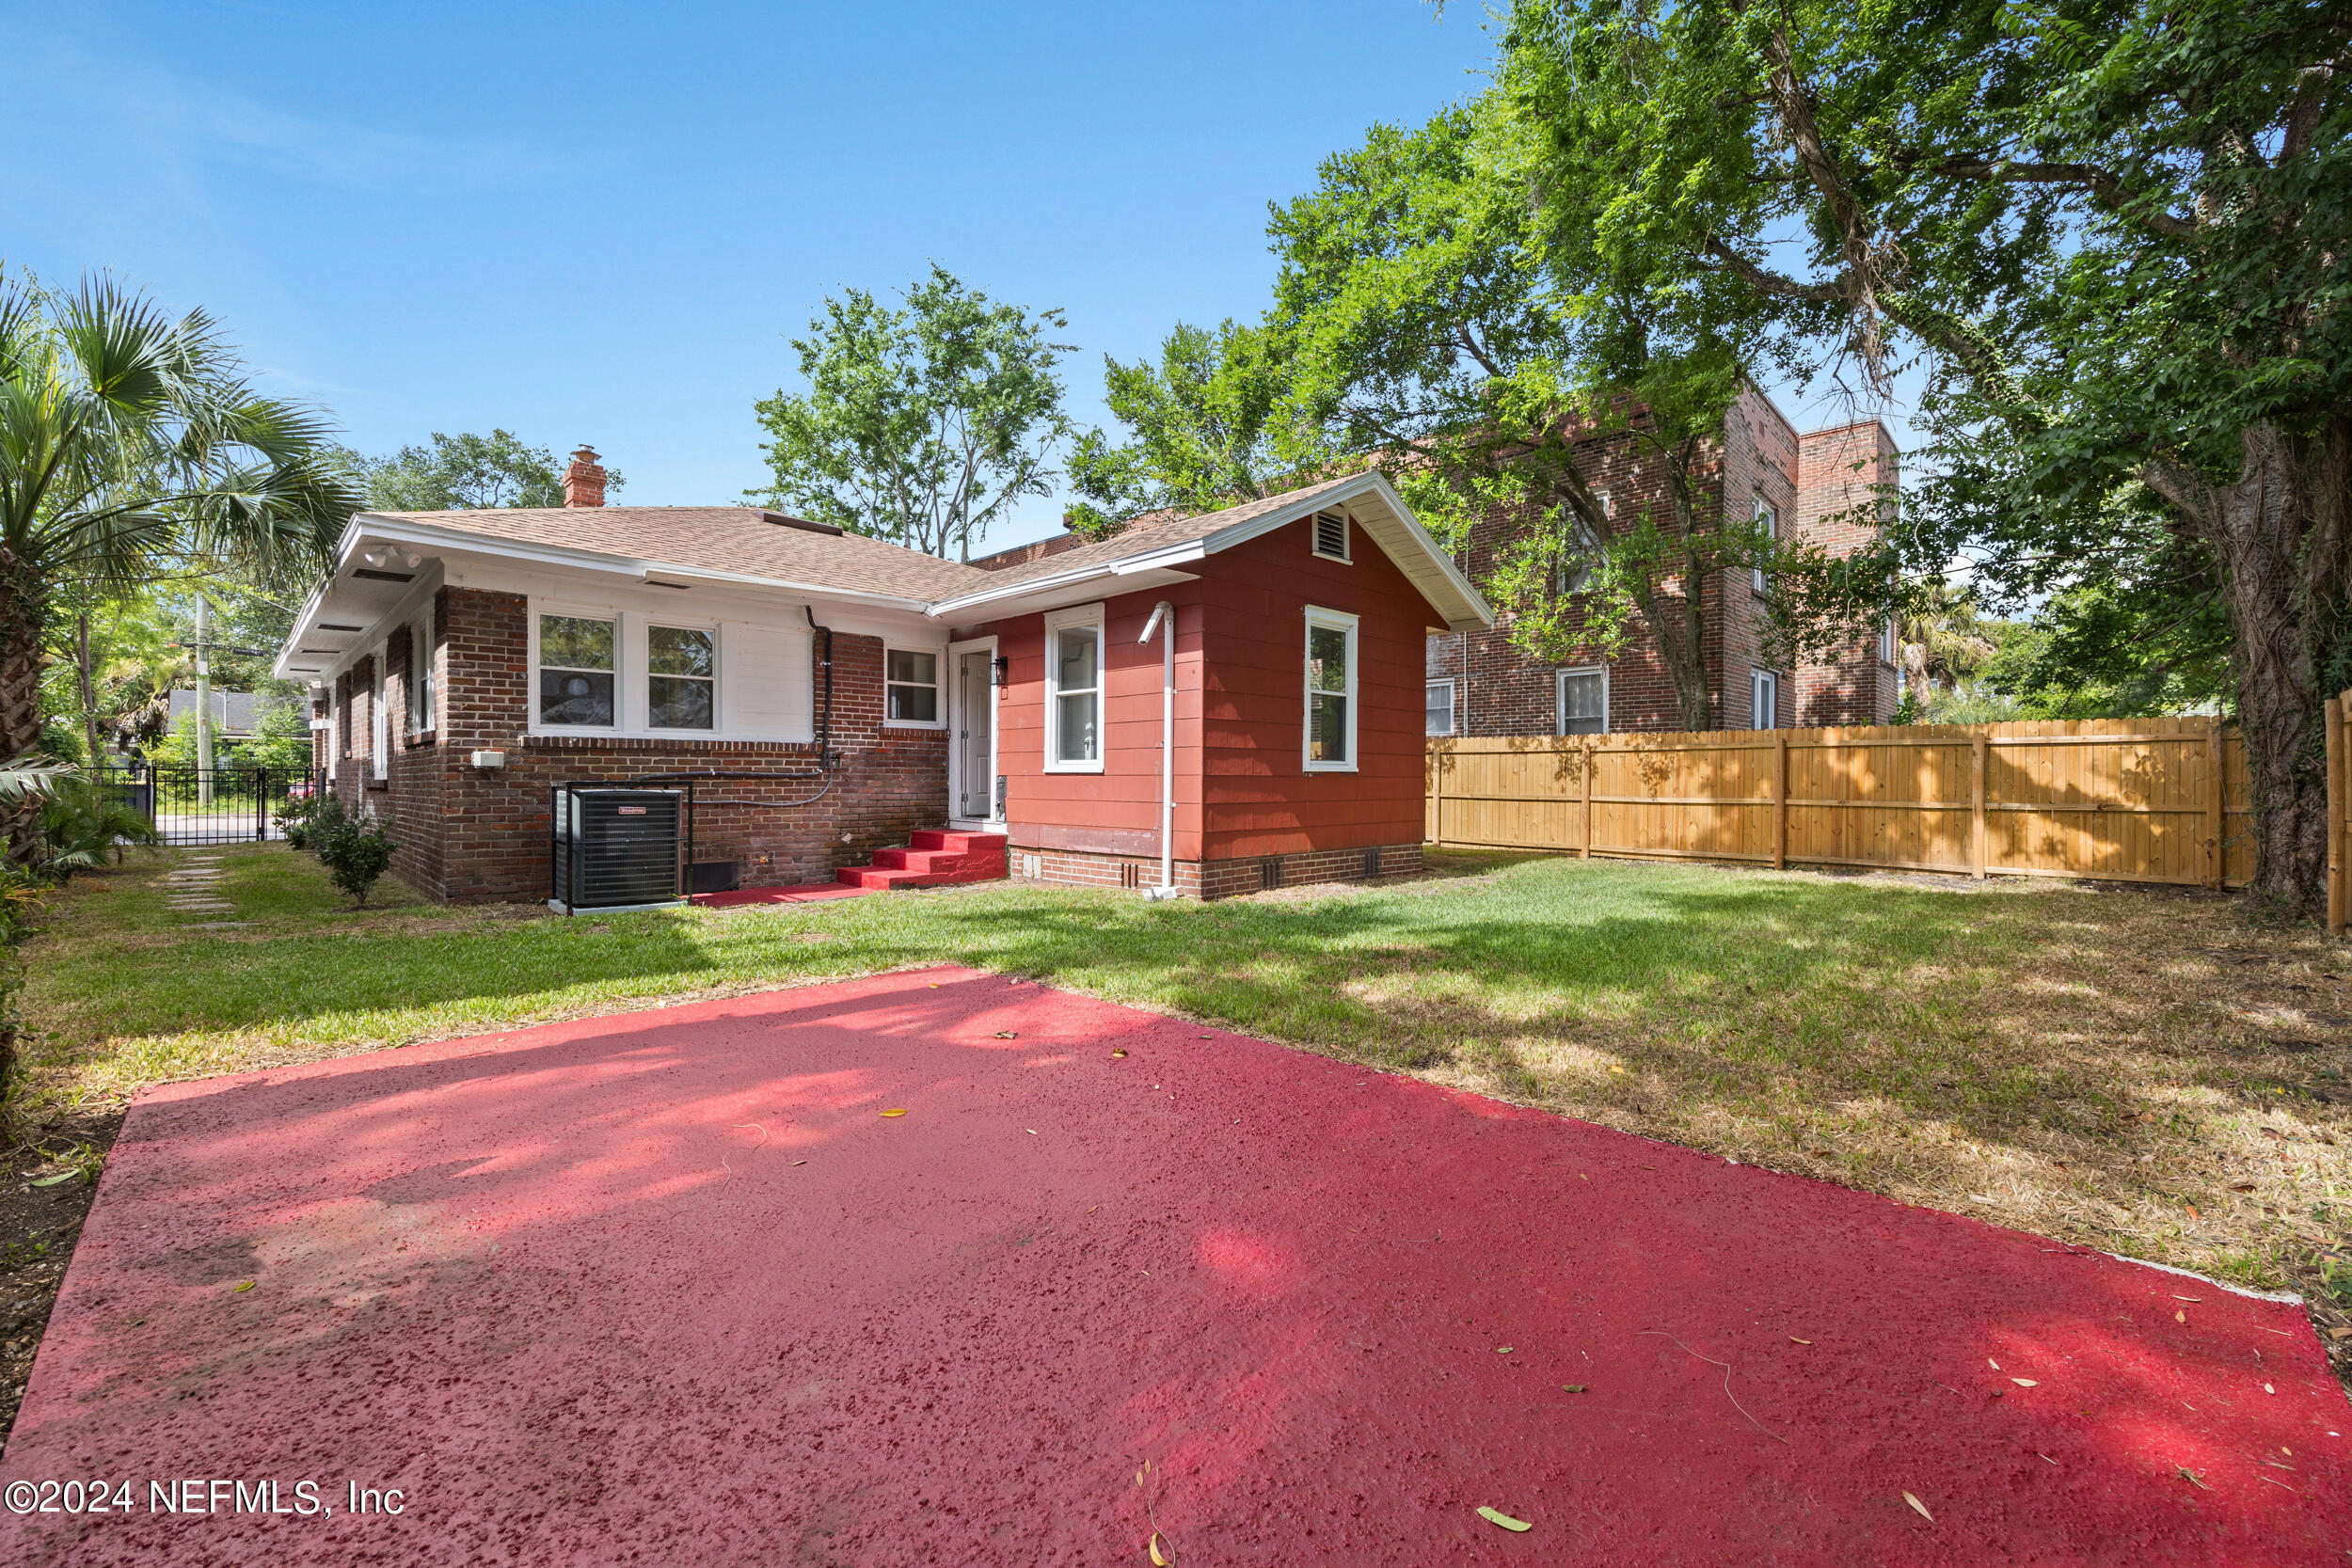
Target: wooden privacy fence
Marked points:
2131	800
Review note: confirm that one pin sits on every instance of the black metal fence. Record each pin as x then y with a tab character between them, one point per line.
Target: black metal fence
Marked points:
210	805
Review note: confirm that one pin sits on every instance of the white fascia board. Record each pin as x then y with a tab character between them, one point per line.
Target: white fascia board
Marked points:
295	639
402	530
1055	593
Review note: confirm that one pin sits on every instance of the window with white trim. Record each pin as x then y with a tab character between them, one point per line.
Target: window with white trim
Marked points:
910	677
681	679
1073	690
1330	535
1888	645
575	672
1764	701
1439	719
1330	690
1585	699
421	672
1767	522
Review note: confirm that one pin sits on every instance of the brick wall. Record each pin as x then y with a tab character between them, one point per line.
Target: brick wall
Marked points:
1807	481
1845	494
468	835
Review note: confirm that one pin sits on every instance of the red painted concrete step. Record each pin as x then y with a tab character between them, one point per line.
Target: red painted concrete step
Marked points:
932	857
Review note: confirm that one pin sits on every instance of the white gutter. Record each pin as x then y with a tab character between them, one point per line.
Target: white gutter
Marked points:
1164	615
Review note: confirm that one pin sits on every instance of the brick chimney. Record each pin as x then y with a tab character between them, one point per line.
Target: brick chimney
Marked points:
583	481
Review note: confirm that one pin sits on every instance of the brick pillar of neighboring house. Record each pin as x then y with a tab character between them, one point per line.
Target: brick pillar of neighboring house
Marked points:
583	481
1845	496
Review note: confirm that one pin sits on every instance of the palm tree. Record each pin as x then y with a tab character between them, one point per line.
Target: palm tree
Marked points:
131	443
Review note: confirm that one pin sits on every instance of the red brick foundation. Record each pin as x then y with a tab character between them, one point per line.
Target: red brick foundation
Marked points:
1223	878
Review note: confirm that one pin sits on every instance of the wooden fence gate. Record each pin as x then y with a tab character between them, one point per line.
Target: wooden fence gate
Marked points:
2129	800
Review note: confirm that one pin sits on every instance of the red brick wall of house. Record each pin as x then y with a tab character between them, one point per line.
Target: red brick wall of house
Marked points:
468	835
1499	692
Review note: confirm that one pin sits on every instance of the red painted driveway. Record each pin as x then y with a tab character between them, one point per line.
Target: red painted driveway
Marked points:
574	1295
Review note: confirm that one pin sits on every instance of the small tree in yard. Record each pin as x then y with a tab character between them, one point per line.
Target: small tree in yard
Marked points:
356	850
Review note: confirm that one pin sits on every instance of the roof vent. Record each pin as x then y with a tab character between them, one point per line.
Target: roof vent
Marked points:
783	519
1331	535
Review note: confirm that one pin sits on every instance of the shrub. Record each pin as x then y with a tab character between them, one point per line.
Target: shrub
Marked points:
84	824
356	851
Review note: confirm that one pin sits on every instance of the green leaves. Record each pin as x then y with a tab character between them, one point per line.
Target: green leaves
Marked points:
921	424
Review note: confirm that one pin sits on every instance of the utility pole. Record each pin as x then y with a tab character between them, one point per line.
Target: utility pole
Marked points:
203	703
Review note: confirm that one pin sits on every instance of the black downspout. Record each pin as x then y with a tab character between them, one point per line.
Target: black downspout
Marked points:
824	726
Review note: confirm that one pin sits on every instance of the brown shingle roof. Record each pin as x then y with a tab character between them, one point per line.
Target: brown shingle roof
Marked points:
733	539
1157	530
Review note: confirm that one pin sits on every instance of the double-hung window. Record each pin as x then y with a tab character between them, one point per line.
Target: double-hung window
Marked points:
379	721
1440	716
421	673
1073	690
912	678
681	679
1888	642
575	672
1576	572
1330	690
1768	524
1764	701
1584	701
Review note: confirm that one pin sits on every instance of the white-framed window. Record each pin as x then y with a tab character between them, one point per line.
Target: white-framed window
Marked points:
1585	699
1768	521
1763	700
379	721
1331	691
575	672
1887	642
1073	690
681	679
911	687
1440	716
421	672
1330	535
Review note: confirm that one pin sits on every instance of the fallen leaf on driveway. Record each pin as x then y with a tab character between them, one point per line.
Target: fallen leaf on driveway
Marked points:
2188	1298
1030	1131
1794	1340
1494	1517
1572	1387
2024	1382
1920	1506
898	1113
1006	1035
1503	1350
1157	1560
246	1286
2179	1314
799	1161
2190	1476
2268	1389
1990	1362
1118	1053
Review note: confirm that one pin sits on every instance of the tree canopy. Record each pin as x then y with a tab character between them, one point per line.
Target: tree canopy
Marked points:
465	472
922	423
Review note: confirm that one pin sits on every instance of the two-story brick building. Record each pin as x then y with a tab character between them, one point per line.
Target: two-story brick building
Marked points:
1828	486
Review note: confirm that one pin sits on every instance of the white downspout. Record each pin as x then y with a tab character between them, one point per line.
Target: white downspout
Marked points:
1166	612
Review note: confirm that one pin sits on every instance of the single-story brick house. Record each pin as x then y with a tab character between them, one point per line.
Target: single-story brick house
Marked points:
464	663
1834	486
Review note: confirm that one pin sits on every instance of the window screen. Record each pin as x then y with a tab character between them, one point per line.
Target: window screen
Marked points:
1077	694
1440	718
1583	702
1330	688
913	682
575	671
681	679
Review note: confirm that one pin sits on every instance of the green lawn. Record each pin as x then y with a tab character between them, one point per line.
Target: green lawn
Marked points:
2134	1069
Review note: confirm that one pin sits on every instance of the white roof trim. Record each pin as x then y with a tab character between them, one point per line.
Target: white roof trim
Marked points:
1415	539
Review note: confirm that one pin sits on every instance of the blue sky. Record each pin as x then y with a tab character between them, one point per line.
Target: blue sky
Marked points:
601	223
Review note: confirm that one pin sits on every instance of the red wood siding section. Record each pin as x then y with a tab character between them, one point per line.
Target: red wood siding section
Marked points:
1259	798
1242	787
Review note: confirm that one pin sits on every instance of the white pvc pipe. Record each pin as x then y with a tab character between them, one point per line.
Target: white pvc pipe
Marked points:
1164	612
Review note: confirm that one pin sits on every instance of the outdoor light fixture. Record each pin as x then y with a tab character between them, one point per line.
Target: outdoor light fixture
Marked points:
1003	668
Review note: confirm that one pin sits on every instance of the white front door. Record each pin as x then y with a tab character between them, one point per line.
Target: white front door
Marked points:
973	722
